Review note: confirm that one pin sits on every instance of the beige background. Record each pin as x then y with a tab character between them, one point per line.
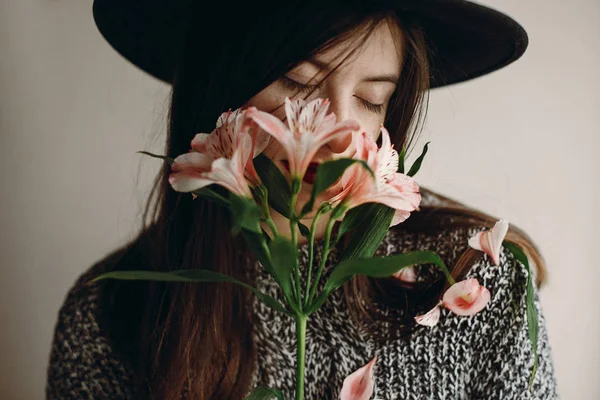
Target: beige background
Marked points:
521	143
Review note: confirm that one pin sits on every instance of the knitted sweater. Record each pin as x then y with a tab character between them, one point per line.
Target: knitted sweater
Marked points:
484	356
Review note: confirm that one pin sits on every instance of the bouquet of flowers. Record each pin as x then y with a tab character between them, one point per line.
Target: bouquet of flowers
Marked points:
365	194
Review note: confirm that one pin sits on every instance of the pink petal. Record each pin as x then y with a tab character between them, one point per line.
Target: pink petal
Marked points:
312	115
199	142
406	274
359	385
391	198
192	160
431	318
399	217
228	174
293	108
189	180
271	124
275	127
466	297
490	242
387	157
343	128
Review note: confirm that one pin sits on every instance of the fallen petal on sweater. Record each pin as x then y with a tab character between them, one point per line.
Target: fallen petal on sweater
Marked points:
359	385
490	241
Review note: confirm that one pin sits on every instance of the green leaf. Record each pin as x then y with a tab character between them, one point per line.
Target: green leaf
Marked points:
352	220
169	160
374	222
263	393
401	157
258	245
304	231
417	164
326	175
190	275
532	318
246	214
283	257
377	267
280	193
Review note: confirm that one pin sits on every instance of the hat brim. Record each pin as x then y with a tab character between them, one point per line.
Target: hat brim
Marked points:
466	40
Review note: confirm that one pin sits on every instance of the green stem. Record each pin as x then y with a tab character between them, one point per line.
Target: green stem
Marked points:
296	185
313	288
264	199
311	247
270	222
300	352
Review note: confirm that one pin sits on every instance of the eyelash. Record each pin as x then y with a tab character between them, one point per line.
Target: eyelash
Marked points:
302	88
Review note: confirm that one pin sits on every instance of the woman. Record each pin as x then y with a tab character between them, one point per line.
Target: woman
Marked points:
375	61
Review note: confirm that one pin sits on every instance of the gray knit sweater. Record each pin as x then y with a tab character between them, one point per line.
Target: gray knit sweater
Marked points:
485	356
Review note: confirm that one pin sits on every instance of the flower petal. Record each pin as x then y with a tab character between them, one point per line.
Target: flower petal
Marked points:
490	241
192	160
359	385
276	128
399	217
406	274
387	158
293	109
497	235
199	142
431	318
312	115
466	297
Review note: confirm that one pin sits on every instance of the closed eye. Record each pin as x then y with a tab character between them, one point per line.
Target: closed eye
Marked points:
293	85
305	88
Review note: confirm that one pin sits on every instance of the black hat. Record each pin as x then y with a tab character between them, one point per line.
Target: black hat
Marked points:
467	40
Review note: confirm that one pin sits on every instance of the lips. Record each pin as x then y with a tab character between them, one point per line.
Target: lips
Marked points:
311	171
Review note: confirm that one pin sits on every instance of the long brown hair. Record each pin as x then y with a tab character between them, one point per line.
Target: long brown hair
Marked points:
196	339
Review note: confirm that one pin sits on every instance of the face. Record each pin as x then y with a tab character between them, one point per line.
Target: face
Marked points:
359	89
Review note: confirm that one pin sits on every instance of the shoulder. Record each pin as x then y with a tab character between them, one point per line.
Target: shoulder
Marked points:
449	243
82	360
497	341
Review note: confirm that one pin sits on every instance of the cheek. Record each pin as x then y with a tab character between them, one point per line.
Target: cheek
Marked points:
271	100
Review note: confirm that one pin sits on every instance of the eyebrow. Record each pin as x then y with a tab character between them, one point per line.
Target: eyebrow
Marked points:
392	78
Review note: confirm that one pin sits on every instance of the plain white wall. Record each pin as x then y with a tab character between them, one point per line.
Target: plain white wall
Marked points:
521	143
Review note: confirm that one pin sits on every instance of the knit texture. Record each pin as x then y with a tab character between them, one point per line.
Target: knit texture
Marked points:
484	356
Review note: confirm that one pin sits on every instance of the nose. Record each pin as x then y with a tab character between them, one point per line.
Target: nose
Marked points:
341	108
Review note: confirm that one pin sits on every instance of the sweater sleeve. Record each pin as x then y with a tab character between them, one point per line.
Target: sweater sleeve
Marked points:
82	364
502	354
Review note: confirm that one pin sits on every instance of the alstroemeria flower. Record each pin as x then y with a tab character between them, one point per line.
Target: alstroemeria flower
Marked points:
389	187
307	129
359	385
490	241
193	170
463	298
223	156
231	127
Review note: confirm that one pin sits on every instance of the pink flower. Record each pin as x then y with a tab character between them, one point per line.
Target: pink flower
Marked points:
231	127
490	241
389	187
223	157
308	128
359	385
463	298
193	171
